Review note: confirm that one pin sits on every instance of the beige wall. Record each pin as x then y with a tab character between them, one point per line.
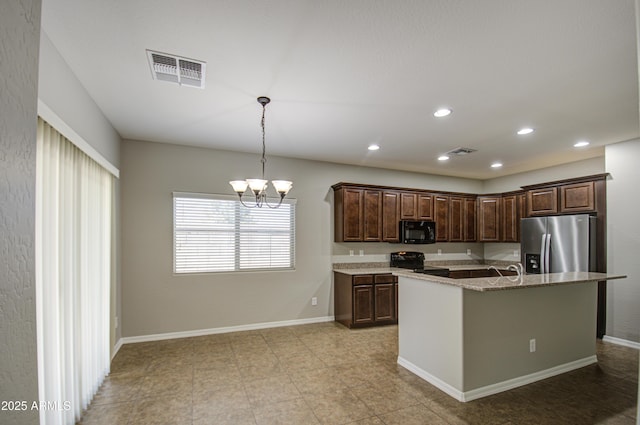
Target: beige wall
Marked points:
623	240
155	301
19	40
585	167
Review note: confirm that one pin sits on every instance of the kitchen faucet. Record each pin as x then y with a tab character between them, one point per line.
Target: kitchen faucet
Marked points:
518	268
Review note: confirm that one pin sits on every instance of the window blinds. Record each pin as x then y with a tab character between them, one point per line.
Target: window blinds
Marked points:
216	233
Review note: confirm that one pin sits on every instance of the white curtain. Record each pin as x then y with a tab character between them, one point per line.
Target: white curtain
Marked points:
73	264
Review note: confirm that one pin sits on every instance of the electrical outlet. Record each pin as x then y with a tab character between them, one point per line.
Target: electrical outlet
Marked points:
362	252
439	252
532	345
516	253
468	252
314	301
351	252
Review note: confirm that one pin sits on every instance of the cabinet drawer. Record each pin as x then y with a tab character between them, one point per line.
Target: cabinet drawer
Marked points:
385	278
363	279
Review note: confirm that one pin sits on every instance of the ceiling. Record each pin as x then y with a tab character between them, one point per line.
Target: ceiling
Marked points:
345	74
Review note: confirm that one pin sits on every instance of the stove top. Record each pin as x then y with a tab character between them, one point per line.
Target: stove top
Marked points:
434	271
415	261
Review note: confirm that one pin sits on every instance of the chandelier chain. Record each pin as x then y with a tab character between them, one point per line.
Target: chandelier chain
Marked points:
264	146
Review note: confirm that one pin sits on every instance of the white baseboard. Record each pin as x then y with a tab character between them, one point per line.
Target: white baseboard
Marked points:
620	341
117	348
212	331
488	390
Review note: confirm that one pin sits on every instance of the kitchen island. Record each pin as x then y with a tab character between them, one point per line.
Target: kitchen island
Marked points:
476	337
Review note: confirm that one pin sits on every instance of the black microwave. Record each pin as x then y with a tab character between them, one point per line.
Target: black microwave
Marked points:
413	231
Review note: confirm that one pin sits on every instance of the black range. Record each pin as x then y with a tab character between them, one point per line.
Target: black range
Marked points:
415	261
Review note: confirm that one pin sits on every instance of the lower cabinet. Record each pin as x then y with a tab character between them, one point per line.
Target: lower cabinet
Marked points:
365	300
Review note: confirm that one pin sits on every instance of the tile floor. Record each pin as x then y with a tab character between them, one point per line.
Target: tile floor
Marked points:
326	374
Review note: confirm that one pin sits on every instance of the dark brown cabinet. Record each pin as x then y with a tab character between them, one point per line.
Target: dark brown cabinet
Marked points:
365	300
372	216
542	201
470	220
441	212
367	213
510	218
408	206
348	223
358	215
363	304
489	218
390	216
578	197
456	219
425	207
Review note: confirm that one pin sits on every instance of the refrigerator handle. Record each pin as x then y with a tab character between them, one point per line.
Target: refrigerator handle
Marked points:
547	266
543	245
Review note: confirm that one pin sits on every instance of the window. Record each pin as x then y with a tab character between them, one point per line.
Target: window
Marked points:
216	233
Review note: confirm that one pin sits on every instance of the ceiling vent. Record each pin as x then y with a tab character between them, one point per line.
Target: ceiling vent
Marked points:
175	69
461	151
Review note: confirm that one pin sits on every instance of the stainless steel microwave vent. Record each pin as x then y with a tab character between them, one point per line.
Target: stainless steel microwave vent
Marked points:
461	151
176	69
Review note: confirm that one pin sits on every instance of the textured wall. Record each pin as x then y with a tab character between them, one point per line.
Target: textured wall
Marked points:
19	40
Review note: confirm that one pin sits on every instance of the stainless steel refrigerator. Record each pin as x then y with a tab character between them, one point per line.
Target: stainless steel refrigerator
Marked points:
556	244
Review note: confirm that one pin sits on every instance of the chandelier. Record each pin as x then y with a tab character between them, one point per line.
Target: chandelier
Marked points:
259	186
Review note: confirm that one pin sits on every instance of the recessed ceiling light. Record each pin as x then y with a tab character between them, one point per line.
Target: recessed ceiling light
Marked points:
443	158
442	112
373	147
525	130
581	144
496	165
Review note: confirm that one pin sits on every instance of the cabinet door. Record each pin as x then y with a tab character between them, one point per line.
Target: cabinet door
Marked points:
577	197
470	232
390	216
408	206
352	215
362	304
488	219
456	219
425	207
542	201
384	302
442	218
510	219
372	228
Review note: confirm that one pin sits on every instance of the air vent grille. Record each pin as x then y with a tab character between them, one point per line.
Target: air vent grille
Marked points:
175	69
461	151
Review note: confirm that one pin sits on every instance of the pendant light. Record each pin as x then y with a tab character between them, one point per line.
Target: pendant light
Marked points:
259	186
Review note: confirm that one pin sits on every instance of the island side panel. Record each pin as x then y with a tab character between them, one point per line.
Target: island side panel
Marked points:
430	332
498	327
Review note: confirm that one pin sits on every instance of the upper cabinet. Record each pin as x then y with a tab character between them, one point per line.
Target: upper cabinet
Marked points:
489	218
367	213
416	206
579	195
441	213
390	216
372	214
358	215
408	206
542	201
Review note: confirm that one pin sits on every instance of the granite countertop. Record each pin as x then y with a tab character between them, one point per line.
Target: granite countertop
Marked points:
483	284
